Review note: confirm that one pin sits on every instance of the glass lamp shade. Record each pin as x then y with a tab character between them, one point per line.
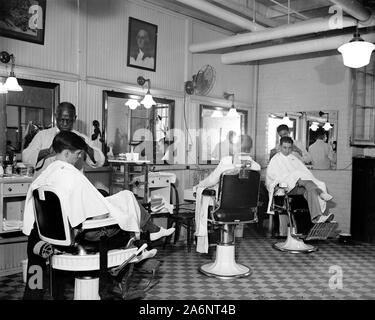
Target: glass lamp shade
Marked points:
132	104
314	126
232	112
148	101
327	126
287	121
217	114
3	89
12	84
356	54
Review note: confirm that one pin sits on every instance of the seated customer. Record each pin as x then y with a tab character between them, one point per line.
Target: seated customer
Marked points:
286	169
228	163
81	199
298	149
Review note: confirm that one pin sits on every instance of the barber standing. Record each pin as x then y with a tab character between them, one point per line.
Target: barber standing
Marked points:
40	153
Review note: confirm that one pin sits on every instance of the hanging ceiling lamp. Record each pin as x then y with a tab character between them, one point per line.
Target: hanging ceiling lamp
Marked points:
147	101
287	121
357	52
11	84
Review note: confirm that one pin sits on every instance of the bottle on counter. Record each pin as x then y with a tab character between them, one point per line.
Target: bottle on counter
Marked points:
8	168
1	166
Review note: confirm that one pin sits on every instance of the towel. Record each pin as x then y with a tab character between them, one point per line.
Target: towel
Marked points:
201	211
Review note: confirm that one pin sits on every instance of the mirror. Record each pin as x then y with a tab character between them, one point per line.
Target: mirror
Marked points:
143	131
27	112
306	127
219	132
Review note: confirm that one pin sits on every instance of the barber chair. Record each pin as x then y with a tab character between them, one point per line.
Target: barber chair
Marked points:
84	259
237	204
300	227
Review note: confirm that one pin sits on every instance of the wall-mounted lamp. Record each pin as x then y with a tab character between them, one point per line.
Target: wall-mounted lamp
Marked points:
132	104
314	126
327	126
11	84
147	101
287	121
232	111
357	52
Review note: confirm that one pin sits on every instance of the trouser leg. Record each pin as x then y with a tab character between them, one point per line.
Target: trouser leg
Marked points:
36	269
146	223
311	194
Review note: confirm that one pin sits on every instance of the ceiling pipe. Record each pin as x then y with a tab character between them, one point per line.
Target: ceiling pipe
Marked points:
249	12
354	8
223	14
290	49
289	30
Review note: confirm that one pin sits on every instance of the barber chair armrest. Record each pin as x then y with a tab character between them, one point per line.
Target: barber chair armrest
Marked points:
97	223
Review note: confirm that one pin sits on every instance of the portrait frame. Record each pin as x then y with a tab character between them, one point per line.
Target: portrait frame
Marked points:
148	61
23	20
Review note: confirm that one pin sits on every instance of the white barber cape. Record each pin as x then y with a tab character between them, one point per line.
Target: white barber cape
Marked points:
81	199
288	170
202	203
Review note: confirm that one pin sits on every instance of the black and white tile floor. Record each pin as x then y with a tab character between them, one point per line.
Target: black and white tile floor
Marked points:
276	275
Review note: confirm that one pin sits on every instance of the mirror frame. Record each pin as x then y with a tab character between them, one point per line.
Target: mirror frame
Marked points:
125	95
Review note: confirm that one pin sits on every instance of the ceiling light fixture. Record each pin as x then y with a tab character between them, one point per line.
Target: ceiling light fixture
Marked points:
287	121
357	52
11	84
232	111
147	101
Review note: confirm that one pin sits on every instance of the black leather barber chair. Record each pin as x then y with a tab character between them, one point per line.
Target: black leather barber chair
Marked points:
300	227
237	204
82	257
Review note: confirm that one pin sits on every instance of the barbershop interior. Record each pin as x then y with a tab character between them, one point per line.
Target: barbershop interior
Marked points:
229	122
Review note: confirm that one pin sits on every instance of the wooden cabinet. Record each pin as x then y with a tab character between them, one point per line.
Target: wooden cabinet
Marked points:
13	243
362	222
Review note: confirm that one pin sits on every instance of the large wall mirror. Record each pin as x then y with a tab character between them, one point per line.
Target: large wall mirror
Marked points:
315	131
219	132
27	112
143	131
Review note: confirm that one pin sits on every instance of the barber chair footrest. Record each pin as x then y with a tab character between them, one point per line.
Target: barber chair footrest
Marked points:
294	245
225	266
86	288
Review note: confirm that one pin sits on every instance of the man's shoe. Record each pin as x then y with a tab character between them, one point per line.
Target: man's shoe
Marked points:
325	196
146	254
327	218
161	233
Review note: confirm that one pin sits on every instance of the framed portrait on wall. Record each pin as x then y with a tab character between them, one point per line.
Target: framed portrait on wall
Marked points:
23	20
142	40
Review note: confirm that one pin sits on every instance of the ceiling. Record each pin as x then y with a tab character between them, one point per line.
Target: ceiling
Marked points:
265	14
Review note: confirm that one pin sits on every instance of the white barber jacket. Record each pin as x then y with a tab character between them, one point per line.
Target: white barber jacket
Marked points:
43	140
288	170
81	199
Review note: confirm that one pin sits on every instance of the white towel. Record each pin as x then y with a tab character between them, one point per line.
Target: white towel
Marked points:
201	211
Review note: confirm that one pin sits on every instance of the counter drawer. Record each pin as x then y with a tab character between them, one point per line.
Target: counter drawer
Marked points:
11	189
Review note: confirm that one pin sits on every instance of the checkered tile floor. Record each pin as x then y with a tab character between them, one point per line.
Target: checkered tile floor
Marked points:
276	275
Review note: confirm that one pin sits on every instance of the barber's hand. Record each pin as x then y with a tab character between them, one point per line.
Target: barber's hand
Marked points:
298	150
51	151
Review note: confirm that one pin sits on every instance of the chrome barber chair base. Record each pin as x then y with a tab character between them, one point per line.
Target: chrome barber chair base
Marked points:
86	288
294	245
225	266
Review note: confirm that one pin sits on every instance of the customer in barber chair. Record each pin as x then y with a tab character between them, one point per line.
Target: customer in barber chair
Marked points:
227	163
285	169
83	201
